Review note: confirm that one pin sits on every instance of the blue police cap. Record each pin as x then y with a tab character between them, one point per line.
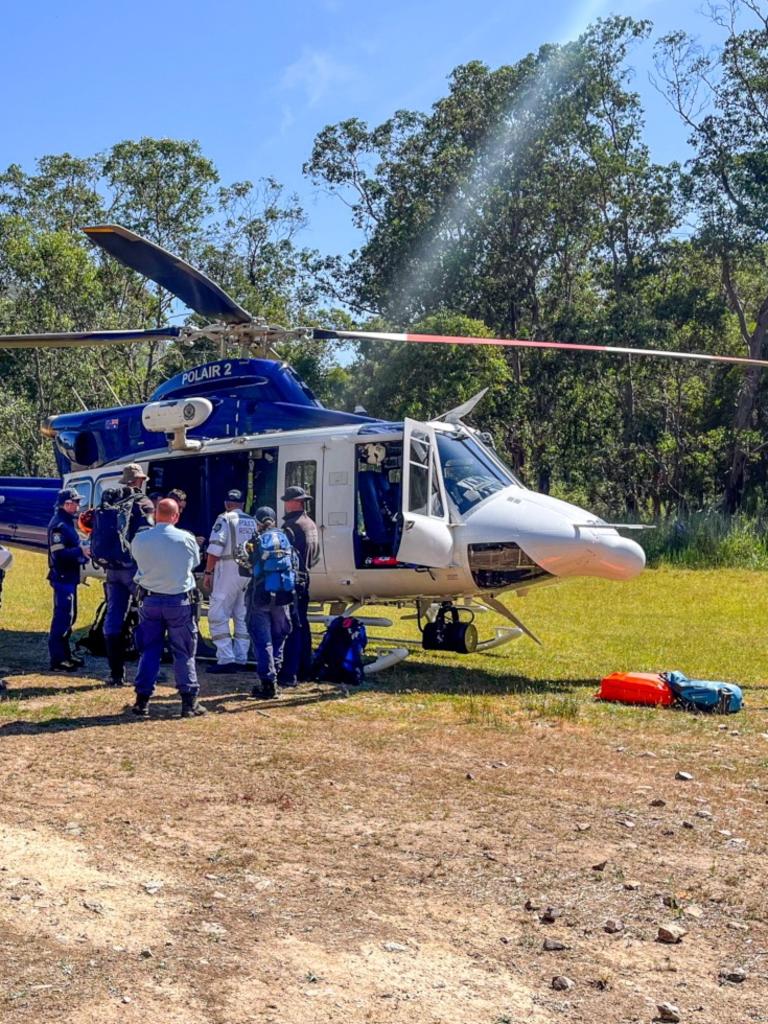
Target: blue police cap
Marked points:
235	495
265	514
68	494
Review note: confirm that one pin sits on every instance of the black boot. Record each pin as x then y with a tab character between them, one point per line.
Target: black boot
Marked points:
266	691
115	648
141	707
191	706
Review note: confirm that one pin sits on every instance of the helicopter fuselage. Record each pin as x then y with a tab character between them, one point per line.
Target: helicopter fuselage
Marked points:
406	511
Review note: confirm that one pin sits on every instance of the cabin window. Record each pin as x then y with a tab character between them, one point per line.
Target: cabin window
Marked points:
84	488
424	481
302	474
109	480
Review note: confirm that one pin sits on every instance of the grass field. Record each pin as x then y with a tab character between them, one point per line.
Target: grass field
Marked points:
388	856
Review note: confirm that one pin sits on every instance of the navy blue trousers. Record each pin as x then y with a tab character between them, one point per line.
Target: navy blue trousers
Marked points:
172	614
119	589
64	615
297	657
269	626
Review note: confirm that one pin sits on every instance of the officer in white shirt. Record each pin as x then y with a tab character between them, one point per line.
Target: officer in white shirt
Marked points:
226	586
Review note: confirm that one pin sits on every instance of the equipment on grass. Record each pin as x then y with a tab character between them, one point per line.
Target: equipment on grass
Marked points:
704	694
636	688
339	658
671	689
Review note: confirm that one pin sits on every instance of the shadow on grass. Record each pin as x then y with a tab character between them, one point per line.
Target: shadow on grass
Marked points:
167	710
456	680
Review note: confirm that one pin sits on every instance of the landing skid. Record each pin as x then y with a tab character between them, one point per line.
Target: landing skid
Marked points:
387	658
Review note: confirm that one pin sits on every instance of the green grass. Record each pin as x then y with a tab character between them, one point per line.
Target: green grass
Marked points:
708	623
708	540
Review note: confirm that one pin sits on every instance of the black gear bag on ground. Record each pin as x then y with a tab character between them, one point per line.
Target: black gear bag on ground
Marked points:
339	658
93	640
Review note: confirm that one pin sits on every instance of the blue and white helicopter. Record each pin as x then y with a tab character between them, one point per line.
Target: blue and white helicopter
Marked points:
413	512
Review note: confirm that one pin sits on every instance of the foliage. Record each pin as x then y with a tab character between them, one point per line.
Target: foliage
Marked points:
525	203
52	279
708	540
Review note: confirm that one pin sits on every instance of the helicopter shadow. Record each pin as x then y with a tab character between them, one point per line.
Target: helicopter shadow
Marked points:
455	680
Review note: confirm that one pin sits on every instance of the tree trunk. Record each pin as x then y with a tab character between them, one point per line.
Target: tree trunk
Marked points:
743	419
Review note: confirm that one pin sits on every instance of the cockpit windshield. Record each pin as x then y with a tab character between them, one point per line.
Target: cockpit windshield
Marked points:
471	473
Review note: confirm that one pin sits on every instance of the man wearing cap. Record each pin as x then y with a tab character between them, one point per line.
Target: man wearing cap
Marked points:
226	586
66	556
120	587
301	531
269	620
165	557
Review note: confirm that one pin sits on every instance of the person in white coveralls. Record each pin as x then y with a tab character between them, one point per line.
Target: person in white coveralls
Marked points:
226	586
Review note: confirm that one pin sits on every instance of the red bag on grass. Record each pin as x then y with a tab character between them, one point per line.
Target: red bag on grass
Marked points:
636	688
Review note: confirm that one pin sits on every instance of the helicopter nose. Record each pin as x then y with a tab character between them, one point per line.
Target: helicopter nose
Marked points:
563	539
573	550
616	557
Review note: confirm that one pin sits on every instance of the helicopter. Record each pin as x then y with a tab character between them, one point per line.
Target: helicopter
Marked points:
414	512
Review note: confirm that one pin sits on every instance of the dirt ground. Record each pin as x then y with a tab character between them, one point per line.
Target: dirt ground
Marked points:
380	858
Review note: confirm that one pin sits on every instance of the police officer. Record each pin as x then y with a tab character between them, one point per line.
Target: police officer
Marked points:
227	587
269	623
301	531
66	556
165	559
120	587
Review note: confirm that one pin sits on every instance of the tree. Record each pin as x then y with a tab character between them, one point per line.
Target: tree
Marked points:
722	97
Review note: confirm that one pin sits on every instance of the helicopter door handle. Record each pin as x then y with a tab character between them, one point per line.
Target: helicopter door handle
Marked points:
410	523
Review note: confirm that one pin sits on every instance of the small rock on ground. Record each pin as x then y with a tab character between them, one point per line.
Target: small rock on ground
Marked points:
550	915
683	776
562	984
668	1012
670	933
736	976
554	945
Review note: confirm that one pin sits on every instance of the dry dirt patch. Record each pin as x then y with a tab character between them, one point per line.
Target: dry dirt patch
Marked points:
368	861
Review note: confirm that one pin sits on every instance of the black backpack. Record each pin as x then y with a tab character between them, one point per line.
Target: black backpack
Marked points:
339	658
110	539
93	640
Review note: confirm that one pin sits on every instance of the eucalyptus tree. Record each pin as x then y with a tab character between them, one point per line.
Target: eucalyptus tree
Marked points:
722	97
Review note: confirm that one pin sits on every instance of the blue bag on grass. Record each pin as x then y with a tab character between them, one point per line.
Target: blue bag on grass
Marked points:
704	694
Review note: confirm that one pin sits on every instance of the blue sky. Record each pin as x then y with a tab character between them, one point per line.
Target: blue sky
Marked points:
254	81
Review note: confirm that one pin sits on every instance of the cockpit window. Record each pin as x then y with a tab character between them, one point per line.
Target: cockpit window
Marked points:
471	473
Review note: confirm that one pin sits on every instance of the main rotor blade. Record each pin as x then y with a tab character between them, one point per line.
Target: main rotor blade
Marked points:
439	339
76	339
171	272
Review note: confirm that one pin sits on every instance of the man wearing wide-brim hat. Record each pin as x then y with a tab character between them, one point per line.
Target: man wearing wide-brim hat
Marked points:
302	532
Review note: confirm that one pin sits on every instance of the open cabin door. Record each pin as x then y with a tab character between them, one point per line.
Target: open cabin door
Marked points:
427	539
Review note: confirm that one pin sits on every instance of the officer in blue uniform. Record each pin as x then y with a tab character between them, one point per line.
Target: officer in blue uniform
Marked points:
165	559
120	587
65	558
